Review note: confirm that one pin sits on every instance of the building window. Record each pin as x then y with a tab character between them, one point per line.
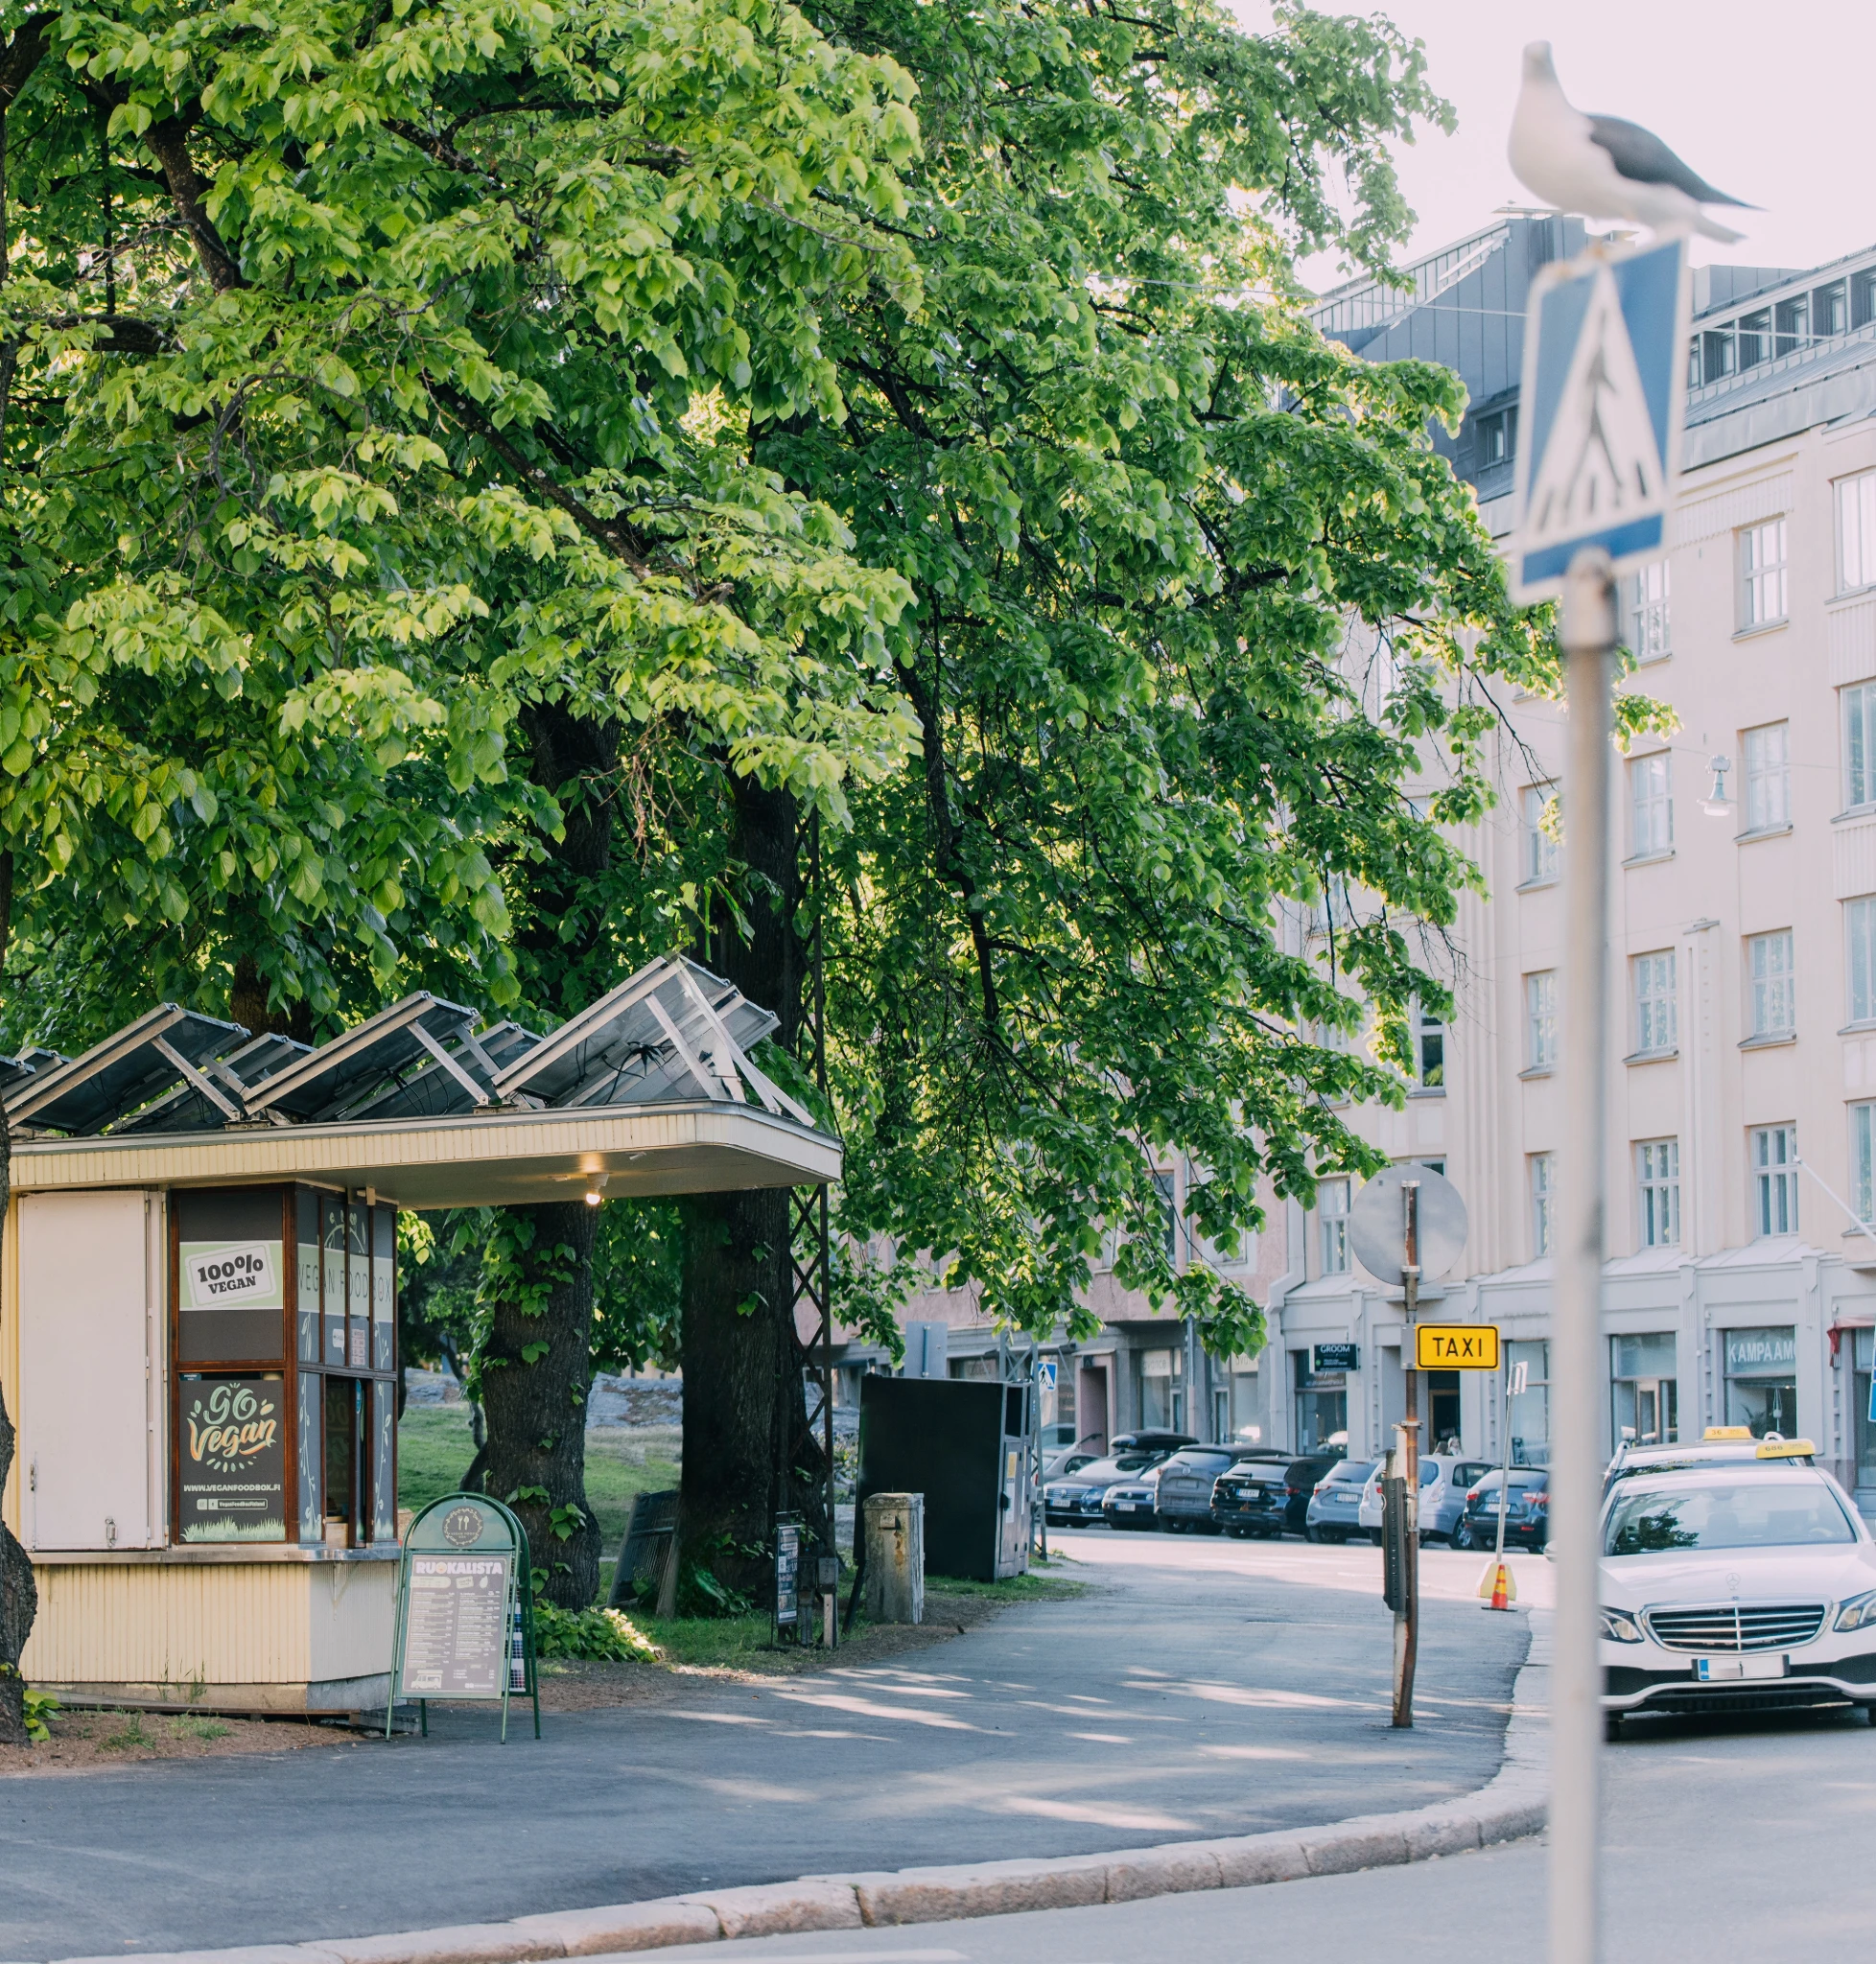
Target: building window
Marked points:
1762	574
1658	1180
1855	532
1769	962
1643	1389
1716	354
1164	1186
1862	1161
1792	324
1767	777
1859	958
1762	1380
1754	339
1429	1050
1332	1217
1541	1020
1527	1421
1543	1178
1162	1385
1650	805
1540	857
1497	439
1322	1405
1775	1179
1657	1029
1858	746
1830	311
1862	1343
1647	613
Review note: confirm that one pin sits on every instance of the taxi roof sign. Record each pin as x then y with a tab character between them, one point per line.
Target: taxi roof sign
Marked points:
1786	1449
1455	1347
1727	1431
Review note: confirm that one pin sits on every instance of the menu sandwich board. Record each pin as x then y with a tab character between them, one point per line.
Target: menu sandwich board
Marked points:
465	1620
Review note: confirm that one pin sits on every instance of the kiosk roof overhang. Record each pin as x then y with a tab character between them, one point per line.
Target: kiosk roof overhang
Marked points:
487	1158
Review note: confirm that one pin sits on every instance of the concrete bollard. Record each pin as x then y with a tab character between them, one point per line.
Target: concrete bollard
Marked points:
894	1557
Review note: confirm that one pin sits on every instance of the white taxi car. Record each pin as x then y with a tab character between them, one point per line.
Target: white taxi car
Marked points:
1735	1589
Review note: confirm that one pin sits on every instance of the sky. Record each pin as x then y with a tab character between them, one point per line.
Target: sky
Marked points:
1770	101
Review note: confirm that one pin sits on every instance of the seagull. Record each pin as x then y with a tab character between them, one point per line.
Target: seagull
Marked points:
1600	166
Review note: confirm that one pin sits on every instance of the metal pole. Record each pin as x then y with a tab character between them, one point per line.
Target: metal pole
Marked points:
1588	636
1407	1623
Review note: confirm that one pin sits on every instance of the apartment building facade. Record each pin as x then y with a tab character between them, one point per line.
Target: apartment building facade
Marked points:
1741	1154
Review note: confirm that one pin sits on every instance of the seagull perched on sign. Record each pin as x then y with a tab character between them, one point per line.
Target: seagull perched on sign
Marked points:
1602	166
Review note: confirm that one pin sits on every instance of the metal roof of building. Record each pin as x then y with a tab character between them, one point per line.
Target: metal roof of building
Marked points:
651	1089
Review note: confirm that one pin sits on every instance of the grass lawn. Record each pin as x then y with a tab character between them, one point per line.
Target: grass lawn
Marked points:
433	1451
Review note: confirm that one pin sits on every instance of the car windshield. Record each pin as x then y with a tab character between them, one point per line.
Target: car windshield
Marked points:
1354	1471
1466	1474
1746	1514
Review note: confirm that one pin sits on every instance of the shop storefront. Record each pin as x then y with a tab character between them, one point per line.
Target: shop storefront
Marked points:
1761	1374
1321	1404
1644	1389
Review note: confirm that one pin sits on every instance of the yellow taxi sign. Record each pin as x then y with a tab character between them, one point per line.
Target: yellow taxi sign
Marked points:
1455	1347
1786	1449
1727	1431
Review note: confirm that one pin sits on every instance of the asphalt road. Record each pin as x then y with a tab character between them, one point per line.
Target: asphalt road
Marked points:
1723	1840
1198	1688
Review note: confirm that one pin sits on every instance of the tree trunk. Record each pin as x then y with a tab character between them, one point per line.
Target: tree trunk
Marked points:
19	1594
248	1006
744	1399
537	1368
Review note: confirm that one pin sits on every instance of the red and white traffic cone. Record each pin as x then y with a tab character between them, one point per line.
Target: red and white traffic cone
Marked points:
1497	1582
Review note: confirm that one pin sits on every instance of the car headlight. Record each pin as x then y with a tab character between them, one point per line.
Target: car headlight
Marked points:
1858	1612
1618	1627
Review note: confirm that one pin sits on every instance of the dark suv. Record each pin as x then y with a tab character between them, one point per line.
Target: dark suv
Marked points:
1183	1499
1270	1494
1527	1510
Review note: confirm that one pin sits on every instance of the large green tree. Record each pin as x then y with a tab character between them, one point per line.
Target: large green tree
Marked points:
362	384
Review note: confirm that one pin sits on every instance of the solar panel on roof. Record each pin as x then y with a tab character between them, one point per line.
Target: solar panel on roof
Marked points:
673	1030
123	1072
16	1070
187	1110
435	1092
383	1052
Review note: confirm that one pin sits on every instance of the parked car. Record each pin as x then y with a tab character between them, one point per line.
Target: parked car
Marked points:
1721	1445
1268	1492
1527	1510
1130	1503
1186	1484
1735	1588
1058	1465
1075	1499
1334	1506
1446	1479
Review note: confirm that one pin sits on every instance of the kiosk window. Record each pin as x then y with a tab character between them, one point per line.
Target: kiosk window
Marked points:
306	1218
230	1275
311	1420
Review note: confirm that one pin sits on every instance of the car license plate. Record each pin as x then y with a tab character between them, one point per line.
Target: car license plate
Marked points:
1723	1669
1250	1493
1125	1507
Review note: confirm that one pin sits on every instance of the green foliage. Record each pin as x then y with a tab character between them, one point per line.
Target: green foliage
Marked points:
372	379
41	1706
605	1634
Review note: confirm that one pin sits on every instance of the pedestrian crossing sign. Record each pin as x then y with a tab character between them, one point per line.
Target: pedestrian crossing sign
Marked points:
1602	403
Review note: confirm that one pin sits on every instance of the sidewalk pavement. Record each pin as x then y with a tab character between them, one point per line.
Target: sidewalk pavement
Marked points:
1507	1807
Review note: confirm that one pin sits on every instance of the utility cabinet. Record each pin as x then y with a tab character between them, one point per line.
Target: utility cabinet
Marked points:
964	1443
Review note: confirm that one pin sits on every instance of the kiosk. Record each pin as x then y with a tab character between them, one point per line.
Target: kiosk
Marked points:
199	1303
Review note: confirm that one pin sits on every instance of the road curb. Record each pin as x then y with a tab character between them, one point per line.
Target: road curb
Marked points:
1508	1808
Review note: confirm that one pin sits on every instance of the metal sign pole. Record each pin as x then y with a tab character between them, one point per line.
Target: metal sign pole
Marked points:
1407	1623
1588	635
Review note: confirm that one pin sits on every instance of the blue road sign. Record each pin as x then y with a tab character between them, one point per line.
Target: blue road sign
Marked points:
1600	410
1045	1373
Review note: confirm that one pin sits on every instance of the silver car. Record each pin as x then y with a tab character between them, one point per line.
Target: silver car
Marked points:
1444	1478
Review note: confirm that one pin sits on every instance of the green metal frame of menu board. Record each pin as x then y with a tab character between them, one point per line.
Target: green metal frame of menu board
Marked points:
468	1525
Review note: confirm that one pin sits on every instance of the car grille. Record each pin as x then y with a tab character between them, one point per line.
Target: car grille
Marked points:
1737	1626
